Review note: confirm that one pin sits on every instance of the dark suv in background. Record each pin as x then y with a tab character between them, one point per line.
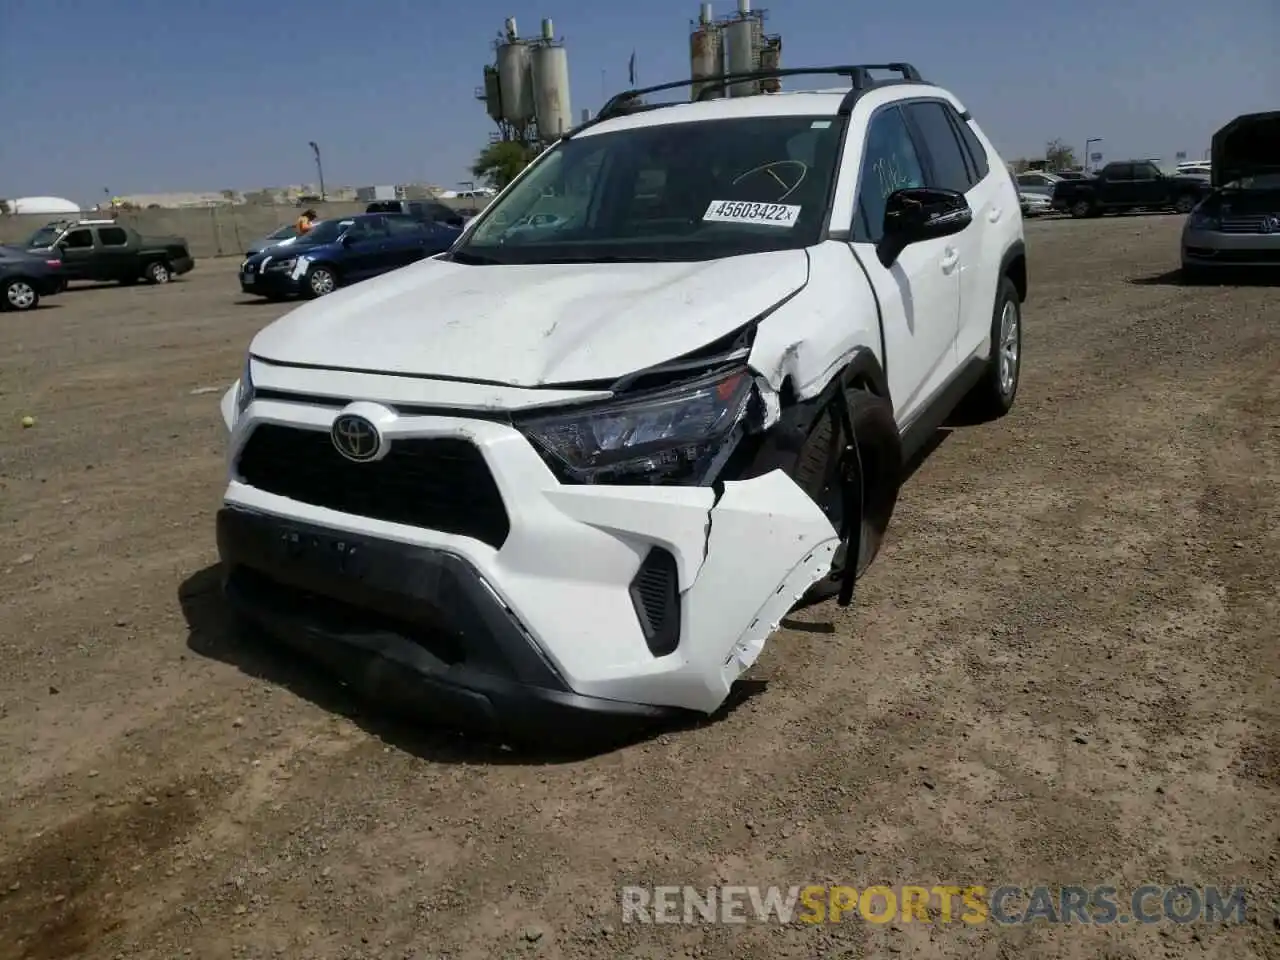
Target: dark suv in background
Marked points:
428	211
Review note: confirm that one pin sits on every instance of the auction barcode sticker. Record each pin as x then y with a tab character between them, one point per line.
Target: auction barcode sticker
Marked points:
743	211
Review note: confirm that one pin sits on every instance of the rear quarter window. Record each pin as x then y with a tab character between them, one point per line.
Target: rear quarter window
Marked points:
977	152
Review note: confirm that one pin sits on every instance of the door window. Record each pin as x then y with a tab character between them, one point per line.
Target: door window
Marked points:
1145	171
113	237
948	170
403	227
889	163
78	240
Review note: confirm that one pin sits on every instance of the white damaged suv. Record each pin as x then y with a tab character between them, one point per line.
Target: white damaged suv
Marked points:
571	474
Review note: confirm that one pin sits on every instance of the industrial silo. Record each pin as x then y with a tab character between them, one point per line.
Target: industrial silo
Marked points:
492	94
706	52
740	49
515	82
771	59
551	86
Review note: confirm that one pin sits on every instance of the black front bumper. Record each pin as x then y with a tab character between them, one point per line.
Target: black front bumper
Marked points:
411	628
273	283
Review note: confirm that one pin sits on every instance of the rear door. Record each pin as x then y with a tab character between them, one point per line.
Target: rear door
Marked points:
115	261
366	248
952	164
407	239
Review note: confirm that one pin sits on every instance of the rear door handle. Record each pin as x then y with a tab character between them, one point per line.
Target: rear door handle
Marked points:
949	260
994	214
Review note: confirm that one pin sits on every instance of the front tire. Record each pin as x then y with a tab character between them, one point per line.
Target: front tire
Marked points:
321	280
1081	209
993	395
817	473
20	295
1185	203
157	272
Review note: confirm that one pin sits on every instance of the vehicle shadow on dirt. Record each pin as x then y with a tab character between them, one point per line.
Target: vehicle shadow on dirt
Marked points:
1227	278
214	633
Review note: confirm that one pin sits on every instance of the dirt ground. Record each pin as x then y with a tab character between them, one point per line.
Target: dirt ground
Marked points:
1064	668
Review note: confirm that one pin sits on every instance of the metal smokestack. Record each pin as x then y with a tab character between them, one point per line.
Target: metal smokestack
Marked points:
548	33
705	17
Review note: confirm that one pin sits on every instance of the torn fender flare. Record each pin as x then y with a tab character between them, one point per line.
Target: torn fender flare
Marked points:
227	405
769	542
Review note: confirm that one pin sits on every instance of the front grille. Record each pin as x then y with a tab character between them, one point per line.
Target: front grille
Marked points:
437	484
1251	224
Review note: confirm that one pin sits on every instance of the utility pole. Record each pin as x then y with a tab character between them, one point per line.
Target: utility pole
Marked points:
315	148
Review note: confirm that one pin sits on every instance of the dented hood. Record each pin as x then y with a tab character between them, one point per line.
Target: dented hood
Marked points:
1247	146
531	324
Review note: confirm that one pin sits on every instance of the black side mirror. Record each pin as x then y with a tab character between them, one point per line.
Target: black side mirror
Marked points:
348	239
915	214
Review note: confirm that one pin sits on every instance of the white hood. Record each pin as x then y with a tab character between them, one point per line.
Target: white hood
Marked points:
531	325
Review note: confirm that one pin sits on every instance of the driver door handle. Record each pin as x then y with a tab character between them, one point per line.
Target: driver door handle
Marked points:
994	214
949	260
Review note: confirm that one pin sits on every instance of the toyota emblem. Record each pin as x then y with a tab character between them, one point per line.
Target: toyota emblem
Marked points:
356	438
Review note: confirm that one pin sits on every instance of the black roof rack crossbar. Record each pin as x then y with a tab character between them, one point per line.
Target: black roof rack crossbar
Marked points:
859	75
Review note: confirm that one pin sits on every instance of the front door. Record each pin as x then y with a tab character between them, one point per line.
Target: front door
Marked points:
76	249
919	293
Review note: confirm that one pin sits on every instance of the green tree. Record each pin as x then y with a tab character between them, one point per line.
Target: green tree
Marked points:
1059	156
501	162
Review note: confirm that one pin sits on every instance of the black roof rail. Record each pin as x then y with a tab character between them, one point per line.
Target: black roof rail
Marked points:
859	74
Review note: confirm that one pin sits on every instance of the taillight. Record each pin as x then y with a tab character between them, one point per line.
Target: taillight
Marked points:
54	263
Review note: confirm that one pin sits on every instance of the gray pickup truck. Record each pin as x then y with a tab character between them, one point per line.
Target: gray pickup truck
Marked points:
104	250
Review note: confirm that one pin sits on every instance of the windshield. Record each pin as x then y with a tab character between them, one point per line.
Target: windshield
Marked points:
288	230
44	237
325	231
688	191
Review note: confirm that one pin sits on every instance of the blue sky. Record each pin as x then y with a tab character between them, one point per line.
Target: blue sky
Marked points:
142	96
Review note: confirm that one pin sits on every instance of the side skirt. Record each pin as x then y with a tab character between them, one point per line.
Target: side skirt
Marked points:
934	414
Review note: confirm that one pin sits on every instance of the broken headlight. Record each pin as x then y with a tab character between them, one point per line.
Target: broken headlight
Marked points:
678	435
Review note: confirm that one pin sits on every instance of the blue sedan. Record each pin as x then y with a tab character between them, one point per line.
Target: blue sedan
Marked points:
343	251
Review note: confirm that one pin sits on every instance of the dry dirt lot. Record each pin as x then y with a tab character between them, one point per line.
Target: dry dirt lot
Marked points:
1063	669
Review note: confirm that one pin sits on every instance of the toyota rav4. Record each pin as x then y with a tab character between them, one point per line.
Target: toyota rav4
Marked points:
660	392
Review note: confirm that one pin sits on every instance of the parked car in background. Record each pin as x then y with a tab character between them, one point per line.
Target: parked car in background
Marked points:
104	250
1238	223
1195	168
1037	181
340	252
281	235
26	277
1128	185
1034	204
428	211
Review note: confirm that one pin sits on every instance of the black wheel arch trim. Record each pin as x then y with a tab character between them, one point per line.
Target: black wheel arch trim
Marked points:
1017	249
